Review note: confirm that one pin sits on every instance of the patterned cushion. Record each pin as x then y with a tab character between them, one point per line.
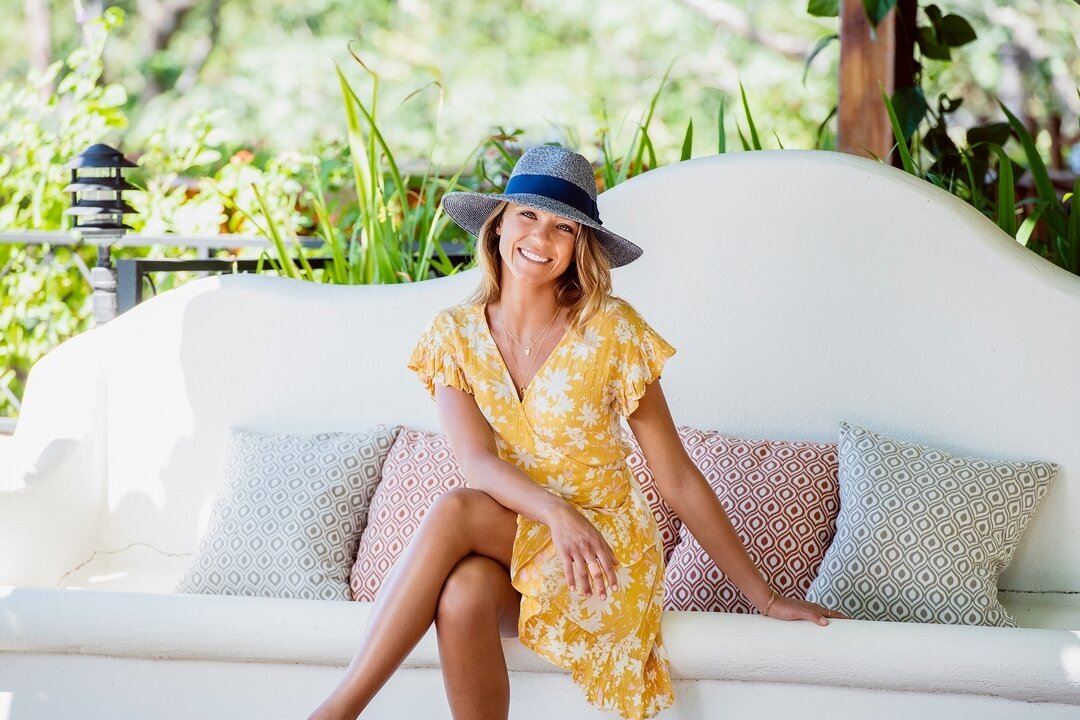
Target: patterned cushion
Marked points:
288	515
420	467
782	499
666	519
922	535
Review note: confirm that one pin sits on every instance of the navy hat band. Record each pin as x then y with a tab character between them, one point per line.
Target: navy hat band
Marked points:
555	188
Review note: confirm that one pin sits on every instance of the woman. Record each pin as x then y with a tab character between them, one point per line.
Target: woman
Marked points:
552	540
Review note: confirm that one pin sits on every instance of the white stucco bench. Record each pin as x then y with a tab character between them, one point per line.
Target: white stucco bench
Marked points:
800	288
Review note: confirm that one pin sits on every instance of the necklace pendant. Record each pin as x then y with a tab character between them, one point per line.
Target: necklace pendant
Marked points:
528	351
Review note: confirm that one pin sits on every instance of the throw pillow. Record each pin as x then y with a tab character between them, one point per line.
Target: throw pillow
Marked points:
288	516
782	499
420	467
923	535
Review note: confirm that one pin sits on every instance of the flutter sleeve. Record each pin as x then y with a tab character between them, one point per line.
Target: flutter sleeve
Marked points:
436	359
639	357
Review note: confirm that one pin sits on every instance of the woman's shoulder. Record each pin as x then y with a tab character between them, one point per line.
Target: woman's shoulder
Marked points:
457	315
617	309
448	324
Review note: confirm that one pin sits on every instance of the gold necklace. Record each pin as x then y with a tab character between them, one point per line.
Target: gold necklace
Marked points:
513	358
538	338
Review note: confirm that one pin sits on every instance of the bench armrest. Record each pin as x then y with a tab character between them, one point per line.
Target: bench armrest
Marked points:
49	509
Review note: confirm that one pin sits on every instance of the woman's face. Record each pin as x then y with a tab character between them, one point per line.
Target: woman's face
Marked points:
536	247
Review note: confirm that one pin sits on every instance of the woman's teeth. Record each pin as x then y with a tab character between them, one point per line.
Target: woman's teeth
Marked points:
533	256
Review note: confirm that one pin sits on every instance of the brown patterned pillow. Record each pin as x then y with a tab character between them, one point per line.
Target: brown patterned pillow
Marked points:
420	467
782	498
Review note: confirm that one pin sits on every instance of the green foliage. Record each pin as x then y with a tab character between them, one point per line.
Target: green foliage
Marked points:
876	10
44	299
391	229
42	128
824	8
1052	224
943	33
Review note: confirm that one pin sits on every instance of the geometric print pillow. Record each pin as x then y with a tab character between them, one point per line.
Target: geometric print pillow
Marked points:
289	513
419	468
782	500
923	535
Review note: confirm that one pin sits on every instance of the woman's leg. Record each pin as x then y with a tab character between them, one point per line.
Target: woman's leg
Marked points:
477	606
460	523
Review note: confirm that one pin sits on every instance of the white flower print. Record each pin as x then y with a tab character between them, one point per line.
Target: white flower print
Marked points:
523	459
478	338
588	415
576	438
562	485
587	346
493	417
561	405
504	392
554	382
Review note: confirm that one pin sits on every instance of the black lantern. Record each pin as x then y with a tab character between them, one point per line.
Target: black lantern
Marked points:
97	211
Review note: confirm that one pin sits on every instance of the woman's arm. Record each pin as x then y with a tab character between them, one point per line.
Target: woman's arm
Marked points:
587	558
685	489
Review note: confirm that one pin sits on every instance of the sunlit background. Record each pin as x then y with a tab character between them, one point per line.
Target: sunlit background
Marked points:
556	69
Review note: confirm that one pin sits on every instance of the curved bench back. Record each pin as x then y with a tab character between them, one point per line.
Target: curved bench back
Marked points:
800	288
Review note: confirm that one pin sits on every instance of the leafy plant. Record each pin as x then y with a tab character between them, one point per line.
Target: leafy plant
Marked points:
391	229
44	122
983	174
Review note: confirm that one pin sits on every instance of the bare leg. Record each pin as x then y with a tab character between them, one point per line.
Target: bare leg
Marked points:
477	604
460	523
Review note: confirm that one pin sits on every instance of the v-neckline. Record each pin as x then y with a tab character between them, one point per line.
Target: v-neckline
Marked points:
482	309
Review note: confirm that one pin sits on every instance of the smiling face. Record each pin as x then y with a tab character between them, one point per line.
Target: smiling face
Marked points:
535	247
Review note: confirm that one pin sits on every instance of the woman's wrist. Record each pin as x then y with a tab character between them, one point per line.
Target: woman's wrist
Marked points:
552	507
762	596
769	603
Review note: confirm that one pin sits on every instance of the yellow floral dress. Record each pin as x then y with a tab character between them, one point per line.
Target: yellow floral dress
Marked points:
566	435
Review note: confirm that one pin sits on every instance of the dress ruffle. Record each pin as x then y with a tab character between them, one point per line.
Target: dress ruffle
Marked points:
644	354
435	361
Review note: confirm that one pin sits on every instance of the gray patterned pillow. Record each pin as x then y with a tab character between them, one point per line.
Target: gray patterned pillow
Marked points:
922	536
289	513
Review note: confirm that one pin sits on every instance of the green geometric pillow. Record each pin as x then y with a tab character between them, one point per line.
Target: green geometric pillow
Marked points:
922	536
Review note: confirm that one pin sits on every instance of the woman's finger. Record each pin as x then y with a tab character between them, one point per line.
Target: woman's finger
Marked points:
568	568
606	561
596	577
581	572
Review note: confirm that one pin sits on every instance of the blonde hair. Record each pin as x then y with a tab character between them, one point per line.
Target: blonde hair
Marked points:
583	287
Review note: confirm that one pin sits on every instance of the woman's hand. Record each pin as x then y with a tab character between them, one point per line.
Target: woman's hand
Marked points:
785	608
587	558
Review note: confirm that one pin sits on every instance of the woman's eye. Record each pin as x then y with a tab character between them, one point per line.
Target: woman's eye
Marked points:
528	213
566	228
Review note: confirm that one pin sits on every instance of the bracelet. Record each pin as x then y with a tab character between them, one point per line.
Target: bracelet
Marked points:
768	606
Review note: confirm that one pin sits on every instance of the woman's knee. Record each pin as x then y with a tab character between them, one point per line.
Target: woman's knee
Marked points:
473	592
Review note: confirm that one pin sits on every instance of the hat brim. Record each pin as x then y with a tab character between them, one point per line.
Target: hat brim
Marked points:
471	209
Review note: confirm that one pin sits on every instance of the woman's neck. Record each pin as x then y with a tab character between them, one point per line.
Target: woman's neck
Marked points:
527	311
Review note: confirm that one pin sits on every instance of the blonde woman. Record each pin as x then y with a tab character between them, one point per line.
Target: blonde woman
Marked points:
551	540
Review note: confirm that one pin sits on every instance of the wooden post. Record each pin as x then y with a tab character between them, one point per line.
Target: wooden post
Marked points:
868	66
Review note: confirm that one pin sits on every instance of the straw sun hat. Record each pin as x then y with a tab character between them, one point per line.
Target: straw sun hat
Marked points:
552	179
